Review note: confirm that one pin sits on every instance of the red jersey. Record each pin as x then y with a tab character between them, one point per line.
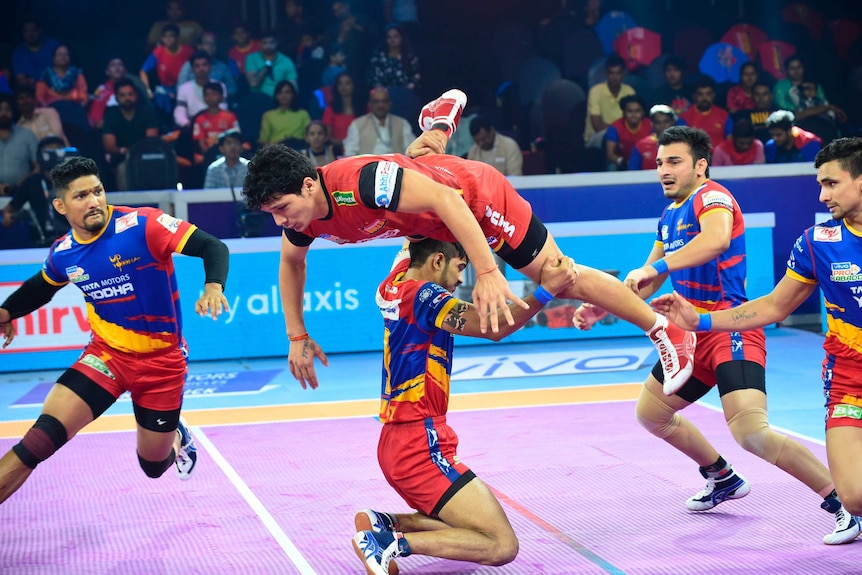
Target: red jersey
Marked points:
625	137
713	122
238	54
169	64
363	194
417	354
210	126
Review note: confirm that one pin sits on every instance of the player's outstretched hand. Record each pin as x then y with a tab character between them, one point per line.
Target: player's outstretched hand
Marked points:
301	361
677	309
431	142
559	273
587	315
8	333
490	295
212	302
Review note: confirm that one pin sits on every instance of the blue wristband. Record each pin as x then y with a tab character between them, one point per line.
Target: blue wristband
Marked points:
660	266
543	295
704	323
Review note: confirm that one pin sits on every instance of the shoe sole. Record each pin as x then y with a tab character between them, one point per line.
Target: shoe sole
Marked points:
393	566
362	522
842	541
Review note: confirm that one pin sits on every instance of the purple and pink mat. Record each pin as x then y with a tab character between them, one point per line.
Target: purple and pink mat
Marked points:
586	489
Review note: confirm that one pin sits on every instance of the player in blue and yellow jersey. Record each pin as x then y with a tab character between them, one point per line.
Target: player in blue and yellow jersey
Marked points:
457	515
828	255
120	258
701	246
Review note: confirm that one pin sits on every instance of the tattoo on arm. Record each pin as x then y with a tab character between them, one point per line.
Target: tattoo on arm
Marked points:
455	317
741	316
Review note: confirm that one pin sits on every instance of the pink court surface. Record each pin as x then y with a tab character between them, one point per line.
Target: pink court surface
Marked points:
280	477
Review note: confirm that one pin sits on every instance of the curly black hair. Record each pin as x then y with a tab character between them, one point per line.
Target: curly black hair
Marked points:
274	171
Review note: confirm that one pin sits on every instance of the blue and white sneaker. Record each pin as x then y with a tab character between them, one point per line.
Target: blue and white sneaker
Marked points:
187	456
376	521
377	551
733	487
847	528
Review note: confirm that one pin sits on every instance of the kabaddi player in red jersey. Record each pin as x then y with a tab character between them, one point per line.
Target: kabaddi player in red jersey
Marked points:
457	516
434	195
120	258
700	246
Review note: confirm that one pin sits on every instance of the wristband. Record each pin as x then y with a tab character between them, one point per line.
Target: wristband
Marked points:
660	266
493	269
705	322
298	337
543	295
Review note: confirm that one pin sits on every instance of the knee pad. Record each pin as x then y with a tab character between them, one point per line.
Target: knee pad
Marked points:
155	469
41	441
656	416
750	429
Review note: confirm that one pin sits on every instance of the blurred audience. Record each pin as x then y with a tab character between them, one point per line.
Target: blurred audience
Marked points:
188	31
32	56
318	148
165	62
494	149
62	81
220	71
43	122
190	95
394	63
210	124
230	170
644	153
603	101
287	121
741	148
378	132
243	45
789	143
268	67
346	104
712	119
741	96
623	134
125	124
104	94
17	148
763	106
673	92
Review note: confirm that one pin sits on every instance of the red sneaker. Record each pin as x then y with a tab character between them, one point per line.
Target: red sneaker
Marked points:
676	352
444	113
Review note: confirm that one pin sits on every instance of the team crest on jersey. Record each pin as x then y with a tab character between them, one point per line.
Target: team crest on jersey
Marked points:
344	198
827	234
126	222
425	294
76	274
374	226
65	244
385	181
714	198
170	223
845	272
664	233
119	262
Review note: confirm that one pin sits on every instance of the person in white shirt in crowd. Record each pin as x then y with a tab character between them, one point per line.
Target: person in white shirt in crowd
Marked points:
378	132
190	95
230	170
494	149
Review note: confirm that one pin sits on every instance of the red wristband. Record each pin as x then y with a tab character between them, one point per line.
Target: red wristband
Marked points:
298	337
493	269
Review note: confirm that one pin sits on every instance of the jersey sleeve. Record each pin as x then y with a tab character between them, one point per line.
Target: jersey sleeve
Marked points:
431	305
612	135
298	239
380	185
800	263
56	276
166	234
711	200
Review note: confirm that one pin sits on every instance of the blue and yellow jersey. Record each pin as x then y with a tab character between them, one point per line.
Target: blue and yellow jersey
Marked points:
716	284
830	254
417	354
127	276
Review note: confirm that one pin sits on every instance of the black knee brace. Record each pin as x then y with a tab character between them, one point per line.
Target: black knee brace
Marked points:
155	469
41	441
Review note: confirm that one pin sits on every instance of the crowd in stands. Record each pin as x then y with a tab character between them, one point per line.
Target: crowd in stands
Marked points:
330	80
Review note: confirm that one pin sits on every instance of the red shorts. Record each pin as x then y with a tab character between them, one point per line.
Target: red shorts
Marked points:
155	380
715	348
843	392
419	461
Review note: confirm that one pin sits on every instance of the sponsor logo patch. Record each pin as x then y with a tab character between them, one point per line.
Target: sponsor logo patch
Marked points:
65	244
848	411
385	179
374	226
91	360
844	272
126	222
715	198
827	234
119	262
344	198
76	274
170	223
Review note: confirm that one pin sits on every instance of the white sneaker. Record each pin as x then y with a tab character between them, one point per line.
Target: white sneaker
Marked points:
676	351
715	492
187	457
847	528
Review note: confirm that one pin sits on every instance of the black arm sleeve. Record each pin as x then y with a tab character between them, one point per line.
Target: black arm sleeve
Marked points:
33	294
380	185
214	253
298	239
